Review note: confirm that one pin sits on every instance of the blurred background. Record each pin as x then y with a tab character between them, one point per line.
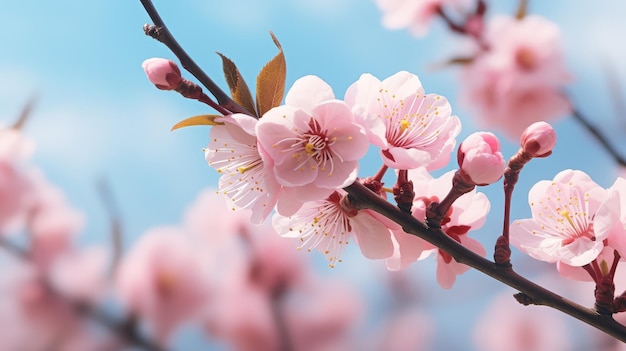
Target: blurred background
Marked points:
98	117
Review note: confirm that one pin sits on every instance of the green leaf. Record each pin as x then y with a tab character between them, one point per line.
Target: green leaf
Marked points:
270	83
201	120
239	90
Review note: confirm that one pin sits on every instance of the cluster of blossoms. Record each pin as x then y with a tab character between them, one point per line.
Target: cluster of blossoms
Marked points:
299	162
211	270
513	73
297	157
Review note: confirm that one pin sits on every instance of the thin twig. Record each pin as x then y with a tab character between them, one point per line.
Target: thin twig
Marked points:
596	133
161	33
25	114
363	198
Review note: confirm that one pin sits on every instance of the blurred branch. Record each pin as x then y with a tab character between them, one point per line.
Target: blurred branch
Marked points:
124	331
617	93
106	195
522	9
26	113
161	33
601	138
363	198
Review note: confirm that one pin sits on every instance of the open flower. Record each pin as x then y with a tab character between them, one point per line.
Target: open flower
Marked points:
412	128
246	176
519	80
414	14
467	213
329	225
312	140
564	226
162	279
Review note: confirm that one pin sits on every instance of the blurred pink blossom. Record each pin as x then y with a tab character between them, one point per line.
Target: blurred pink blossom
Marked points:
480	158
14	187
329	226
519	78
538	139
414	14
467	213
566	225
247	177
53	223
312	140
163	281
507	325
412	128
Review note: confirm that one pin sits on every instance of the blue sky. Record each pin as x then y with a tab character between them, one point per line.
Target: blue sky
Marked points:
98	116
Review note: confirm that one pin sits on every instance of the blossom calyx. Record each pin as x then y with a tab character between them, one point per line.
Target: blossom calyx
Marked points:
163	73
538	139
480	159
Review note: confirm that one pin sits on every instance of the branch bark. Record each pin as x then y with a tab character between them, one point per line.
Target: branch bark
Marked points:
363	198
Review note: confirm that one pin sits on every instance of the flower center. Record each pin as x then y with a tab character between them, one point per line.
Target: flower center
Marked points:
525	59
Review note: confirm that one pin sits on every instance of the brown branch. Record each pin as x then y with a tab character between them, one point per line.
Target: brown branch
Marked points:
601	138
363	198
160	32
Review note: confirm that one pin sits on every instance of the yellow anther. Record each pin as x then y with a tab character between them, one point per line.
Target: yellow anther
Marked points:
404	125
309	148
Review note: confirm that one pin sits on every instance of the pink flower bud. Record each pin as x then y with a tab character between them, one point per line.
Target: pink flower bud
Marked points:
538	139
480	158
163	73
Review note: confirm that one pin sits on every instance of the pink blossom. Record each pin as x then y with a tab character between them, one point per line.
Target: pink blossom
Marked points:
413	129
164	74
53	223
467	213
321	315
14	186
538	139
312	140
507	325
247	177
519	79
480	158
611	216
414	14
162	280
329	226
564	225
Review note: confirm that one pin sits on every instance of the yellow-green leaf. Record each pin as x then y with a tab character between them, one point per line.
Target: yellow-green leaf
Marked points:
270	83
238	88
201	120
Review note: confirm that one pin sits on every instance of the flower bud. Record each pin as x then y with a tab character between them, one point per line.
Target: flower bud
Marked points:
163	73
538	139
480	158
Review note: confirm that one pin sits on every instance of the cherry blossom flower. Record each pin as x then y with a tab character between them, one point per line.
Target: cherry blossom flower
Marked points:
507	325
329	226
412	128
480	158
414	14
162	280
467	213
246	175
312	140
518	80
566	225
611	216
